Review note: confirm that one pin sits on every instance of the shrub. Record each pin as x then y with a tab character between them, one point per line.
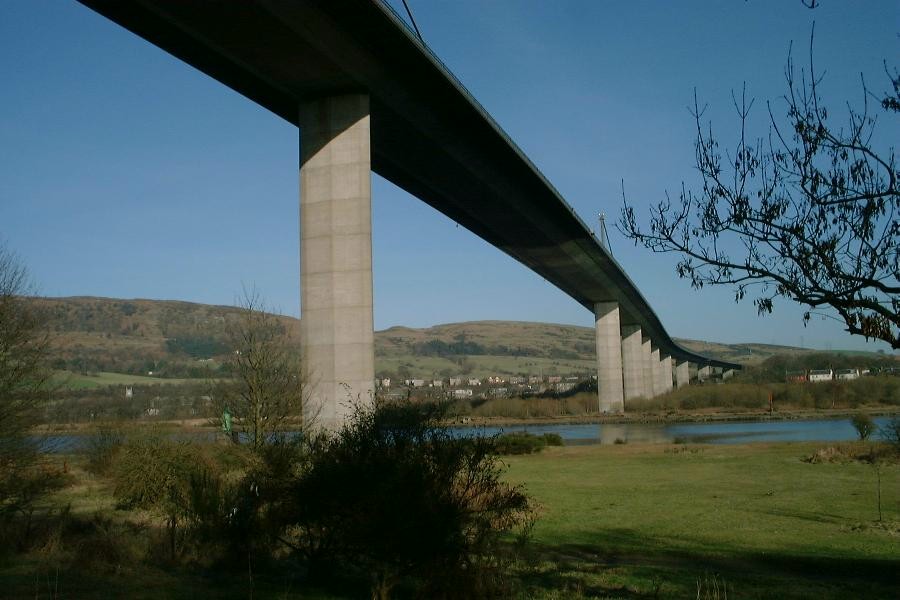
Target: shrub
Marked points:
102	447
553	439
394	495
863	424
236	522
519	442
165	478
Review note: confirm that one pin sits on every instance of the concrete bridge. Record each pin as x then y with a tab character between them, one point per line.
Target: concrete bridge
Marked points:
368	95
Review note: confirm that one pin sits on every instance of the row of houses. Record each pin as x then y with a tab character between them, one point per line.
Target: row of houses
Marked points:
818	375
491	387
494	380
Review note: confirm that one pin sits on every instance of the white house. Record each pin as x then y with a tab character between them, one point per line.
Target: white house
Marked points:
847	374
821	375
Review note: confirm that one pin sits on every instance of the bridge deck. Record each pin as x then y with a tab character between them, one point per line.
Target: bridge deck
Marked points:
429	135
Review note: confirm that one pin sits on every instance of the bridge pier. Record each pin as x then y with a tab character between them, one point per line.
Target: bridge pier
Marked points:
704	373
666	377
337	329
682	373
647	364
632	362
656	367
610	389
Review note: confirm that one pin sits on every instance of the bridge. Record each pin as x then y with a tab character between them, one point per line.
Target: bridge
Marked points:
368	95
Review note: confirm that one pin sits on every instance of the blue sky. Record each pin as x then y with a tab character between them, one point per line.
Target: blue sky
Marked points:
125	173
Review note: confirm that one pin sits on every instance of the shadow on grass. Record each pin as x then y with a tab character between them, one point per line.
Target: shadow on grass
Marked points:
621	564
807	515
31	578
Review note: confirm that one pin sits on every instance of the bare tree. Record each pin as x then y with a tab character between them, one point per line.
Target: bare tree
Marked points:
264	390
809	213
23	376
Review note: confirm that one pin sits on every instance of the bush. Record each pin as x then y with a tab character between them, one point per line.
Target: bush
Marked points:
236	523
863	424
395	496
519	442
553	439
166	478
102	447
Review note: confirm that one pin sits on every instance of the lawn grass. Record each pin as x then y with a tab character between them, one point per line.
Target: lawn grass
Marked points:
629	521
622	521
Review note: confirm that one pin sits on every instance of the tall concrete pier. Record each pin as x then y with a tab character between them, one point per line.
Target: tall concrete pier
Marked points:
647	363
704	373
609	357
656	369
632	362
337	332
666	376
682	373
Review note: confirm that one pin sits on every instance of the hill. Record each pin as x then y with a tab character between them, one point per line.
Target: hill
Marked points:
184	339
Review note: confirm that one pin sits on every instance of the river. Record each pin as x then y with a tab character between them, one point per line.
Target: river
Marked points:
731	432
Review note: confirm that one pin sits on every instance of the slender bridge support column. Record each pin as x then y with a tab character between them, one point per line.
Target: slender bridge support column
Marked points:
704	373
337	333
656	367
682	373
666	376
646	350
609	357
632	362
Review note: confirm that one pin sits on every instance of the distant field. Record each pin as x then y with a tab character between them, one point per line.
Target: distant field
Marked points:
77	381
649	521
481	365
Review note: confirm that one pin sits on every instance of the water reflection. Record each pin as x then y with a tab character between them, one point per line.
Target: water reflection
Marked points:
733	432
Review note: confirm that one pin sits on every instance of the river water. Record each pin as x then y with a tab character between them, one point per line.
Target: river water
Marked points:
731	432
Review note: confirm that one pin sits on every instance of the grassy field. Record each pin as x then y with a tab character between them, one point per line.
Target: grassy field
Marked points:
481	366
77	381
629	521
648	521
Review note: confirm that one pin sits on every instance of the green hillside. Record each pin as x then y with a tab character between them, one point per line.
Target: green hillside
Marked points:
175	339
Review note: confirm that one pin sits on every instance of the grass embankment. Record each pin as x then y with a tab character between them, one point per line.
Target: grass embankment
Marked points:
615	521
77	381
637	521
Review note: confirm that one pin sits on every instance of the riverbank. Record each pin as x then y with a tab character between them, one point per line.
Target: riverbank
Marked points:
643	418
667	417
